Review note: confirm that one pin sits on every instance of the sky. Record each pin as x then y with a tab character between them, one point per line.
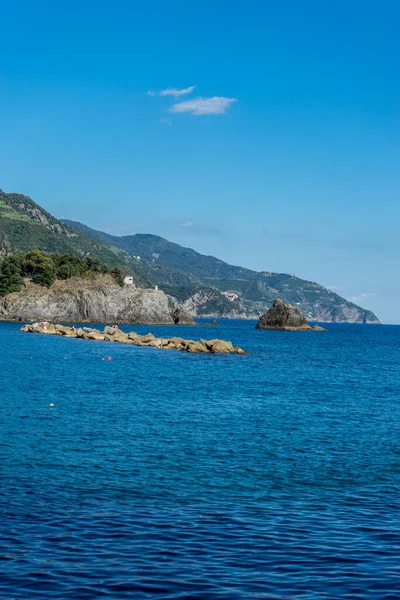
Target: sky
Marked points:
265	133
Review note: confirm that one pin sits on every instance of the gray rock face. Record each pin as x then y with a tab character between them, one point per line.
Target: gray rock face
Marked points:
95	300
286	317
182	317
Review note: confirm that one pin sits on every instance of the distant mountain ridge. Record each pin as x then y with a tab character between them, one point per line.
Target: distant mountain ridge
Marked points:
207	286
203	285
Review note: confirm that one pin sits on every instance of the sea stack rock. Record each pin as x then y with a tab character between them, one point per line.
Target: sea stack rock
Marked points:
285	317
182	317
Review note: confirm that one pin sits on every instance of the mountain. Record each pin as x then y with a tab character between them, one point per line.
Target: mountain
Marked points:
207	286
203	285
25	226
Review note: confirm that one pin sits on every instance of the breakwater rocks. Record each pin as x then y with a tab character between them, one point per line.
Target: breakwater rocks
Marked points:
113	334
285	317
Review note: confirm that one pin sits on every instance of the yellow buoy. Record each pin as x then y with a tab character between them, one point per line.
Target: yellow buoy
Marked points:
51	404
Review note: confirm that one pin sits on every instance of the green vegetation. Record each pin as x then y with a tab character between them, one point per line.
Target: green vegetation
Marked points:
24	225
182	272
44	268
179	271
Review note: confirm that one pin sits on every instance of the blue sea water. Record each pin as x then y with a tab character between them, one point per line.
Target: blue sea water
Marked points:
165	475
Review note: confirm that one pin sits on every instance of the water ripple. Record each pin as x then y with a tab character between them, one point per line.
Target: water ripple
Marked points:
164	476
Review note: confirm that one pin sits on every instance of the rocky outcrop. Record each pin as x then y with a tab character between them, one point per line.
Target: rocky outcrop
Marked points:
212	304
182	317
286	317
114	334
92	300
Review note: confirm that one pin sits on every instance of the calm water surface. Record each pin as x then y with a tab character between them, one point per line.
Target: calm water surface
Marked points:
166	475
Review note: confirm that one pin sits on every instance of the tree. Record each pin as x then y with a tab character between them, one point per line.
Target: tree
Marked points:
10	274
40	268
44	269
118	275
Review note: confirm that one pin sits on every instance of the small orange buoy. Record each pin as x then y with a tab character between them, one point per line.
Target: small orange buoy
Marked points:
109	358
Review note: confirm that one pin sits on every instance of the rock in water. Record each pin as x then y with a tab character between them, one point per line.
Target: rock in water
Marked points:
113	334
286	317
182	317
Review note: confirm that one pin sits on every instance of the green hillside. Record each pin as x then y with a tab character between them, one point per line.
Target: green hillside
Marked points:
25	226
204	285
183	272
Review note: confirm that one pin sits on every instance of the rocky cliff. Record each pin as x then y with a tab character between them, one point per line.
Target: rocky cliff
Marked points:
204	285
209	287
94	300
286	317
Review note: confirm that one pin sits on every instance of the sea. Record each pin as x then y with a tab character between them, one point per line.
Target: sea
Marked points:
170	476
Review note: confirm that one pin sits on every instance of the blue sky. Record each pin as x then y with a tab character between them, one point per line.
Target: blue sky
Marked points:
275	146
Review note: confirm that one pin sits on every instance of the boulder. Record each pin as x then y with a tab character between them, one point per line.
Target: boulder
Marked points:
181	317
156	343
177	343
318	328
108	330
144	340
283	316
43	327
196	347
93	335
120	336
125	340
64	330
219	346
113	334
240	350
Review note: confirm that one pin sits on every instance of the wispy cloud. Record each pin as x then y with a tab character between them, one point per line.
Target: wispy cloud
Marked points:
187	224
363	296
217	105
175	92
166	121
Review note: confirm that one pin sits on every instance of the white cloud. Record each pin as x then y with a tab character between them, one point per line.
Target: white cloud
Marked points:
176	93
172	92
166	121
216	105
187	224
363	296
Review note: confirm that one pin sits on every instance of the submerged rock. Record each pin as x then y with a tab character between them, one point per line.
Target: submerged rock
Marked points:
285	317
